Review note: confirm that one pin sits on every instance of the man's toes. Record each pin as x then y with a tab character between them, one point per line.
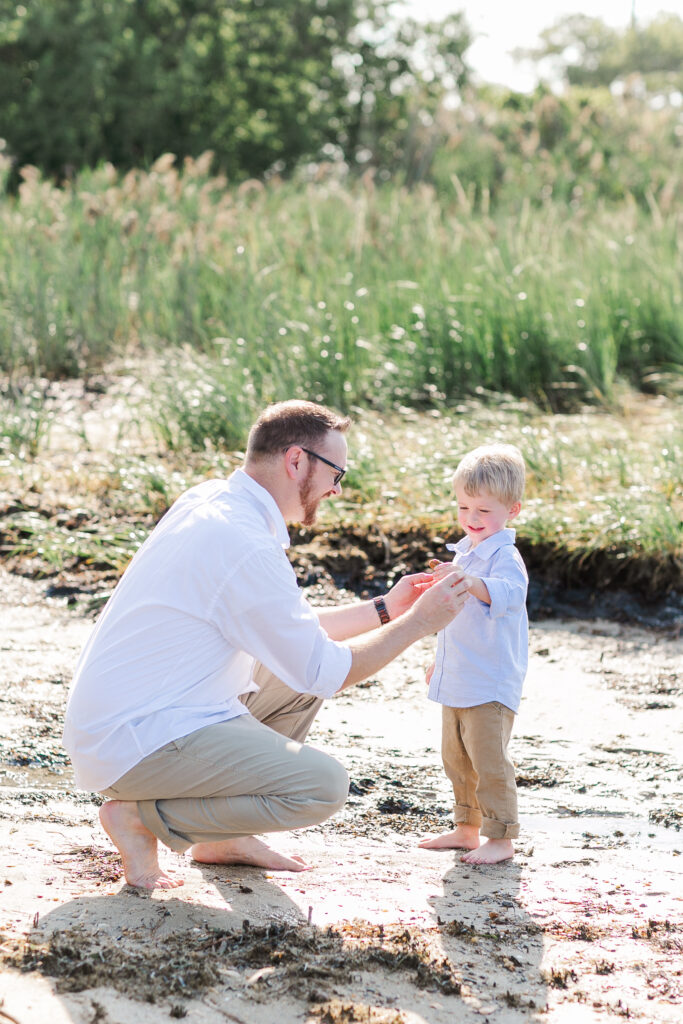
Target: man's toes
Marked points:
298	864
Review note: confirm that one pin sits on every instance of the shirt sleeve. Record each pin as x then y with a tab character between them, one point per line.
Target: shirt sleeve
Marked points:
261	610
507	583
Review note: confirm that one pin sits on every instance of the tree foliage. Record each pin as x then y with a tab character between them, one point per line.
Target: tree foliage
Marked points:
262	83
587	52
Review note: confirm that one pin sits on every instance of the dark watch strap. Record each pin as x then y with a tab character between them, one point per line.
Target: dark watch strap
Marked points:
384	616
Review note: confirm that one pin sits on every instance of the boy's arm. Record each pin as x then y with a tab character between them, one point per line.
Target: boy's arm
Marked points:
478	588
503	590
506	583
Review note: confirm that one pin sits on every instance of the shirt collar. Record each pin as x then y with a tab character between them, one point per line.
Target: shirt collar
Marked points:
488	547
241	481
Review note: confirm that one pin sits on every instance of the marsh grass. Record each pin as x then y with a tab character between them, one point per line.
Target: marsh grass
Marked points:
196	404
348	293
25	423
52	544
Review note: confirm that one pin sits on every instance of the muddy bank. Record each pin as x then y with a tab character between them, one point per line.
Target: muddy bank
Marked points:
599	585
583	585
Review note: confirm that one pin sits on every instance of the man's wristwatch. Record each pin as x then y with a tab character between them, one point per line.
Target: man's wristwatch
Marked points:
381	607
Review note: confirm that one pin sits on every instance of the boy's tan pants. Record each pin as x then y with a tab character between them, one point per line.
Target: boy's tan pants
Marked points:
474	752
238	778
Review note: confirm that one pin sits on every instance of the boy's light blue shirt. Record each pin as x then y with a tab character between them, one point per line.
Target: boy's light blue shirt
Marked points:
483	654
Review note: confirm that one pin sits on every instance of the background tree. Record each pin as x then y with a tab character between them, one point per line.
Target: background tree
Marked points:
585	51
263	83
396	80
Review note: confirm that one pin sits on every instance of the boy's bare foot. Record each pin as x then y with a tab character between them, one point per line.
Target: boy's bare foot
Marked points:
464	837
136	844
491	852
248	850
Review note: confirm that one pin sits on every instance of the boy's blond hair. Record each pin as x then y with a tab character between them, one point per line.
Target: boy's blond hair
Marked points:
495	468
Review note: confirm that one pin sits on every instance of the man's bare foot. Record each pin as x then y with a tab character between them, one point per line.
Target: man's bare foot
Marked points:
136	844
248	850
492	852
464	837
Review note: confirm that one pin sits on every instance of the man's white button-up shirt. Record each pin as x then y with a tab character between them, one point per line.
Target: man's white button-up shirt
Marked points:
482	655
210	592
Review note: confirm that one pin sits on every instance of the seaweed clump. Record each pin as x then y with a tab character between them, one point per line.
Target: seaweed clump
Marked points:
271	960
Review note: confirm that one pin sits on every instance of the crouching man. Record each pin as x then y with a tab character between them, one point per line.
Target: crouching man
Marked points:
195	692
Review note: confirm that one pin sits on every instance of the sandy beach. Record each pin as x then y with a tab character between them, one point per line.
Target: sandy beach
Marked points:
586	923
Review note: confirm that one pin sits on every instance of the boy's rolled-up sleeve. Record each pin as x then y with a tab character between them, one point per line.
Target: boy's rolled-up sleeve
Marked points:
508	583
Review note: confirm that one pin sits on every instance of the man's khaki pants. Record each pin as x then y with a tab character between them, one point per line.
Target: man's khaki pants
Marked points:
238	778
474	752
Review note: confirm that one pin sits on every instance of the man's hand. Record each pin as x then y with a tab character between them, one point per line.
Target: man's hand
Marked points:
405	593
441	602
433	609
429	673
477	587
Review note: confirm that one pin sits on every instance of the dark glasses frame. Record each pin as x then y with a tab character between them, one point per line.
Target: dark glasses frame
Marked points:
339	475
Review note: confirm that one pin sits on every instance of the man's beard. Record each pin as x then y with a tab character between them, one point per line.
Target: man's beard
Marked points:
308	504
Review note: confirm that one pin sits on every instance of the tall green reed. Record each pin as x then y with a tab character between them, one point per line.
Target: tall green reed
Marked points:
346	294
25	424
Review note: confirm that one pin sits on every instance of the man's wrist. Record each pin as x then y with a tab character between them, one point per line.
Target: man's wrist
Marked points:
382	610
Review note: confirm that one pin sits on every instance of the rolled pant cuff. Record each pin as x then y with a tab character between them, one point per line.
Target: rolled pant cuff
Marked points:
153	820
493	829
463	815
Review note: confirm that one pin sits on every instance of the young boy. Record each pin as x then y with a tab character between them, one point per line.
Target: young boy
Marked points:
481	657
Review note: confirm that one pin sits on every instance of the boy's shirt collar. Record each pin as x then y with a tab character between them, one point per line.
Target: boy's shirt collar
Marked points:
488	547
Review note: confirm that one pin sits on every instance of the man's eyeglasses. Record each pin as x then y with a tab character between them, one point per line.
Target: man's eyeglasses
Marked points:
338	476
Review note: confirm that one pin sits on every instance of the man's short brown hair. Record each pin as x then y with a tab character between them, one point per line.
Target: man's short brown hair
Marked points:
292	422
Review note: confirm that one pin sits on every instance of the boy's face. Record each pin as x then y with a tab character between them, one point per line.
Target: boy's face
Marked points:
481	515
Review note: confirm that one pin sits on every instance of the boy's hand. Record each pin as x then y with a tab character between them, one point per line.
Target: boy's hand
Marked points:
429	673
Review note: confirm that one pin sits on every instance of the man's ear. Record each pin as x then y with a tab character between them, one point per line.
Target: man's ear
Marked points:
293	457
515	510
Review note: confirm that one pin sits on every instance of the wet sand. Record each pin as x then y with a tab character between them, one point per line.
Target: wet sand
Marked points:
585	924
